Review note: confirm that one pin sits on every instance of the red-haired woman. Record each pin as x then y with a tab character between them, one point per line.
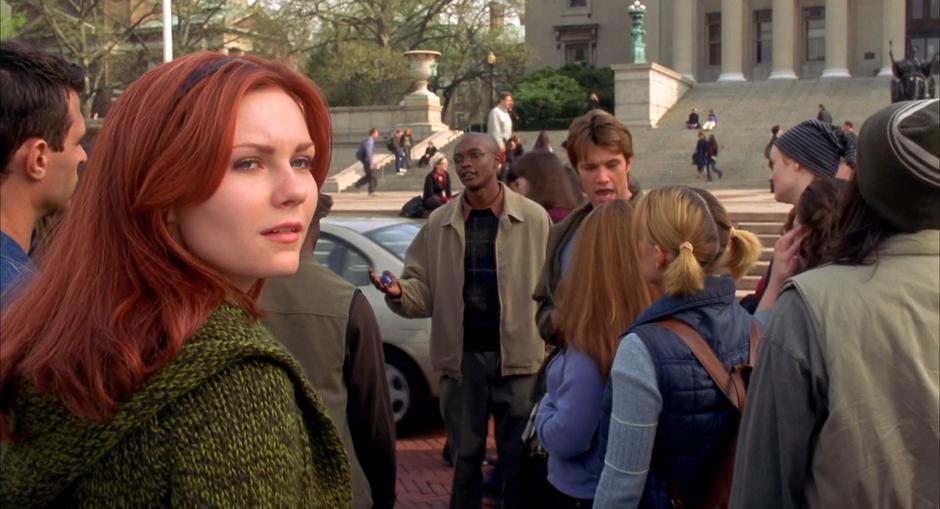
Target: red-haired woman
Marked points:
134	372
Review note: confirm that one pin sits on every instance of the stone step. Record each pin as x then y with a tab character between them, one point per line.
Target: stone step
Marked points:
748	283
760	228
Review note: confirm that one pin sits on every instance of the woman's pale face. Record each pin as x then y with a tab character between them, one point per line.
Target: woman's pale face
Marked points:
441	166
254	224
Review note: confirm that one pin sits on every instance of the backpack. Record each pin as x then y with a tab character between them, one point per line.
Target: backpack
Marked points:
734	386
414	208
361	153
390	145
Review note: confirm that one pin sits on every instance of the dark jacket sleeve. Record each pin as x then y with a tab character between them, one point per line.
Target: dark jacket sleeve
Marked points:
429	187
368	406
786	407
447	189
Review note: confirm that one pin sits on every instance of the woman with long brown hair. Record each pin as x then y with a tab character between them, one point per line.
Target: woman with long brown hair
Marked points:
541	177
600	296
134	371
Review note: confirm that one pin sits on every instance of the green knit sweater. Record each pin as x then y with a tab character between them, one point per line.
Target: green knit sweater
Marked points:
230	422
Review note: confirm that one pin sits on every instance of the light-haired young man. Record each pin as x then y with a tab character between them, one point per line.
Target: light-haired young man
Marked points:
600	149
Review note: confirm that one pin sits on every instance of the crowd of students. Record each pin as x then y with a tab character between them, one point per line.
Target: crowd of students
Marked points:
134	369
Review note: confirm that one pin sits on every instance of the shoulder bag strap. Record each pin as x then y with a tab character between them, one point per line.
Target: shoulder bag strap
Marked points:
731	387
755	342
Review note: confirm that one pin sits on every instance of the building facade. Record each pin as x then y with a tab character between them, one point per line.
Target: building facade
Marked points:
737	40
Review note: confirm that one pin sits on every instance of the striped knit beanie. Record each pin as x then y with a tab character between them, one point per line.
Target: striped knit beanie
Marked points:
898	170
817	146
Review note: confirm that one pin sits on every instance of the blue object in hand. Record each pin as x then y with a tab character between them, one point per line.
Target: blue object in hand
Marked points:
386	280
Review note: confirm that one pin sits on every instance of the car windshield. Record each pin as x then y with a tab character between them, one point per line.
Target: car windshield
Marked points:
395	238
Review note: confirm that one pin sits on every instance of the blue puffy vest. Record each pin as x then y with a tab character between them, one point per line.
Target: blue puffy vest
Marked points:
697	423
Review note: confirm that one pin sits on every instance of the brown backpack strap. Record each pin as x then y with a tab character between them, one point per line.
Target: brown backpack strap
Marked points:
731	386
755	342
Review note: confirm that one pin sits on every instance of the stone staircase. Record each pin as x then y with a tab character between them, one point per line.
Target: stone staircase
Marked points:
767	227
746	112
342	178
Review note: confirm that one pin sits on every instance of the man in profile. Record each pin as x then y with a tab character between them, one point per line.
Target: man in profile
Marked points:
41	129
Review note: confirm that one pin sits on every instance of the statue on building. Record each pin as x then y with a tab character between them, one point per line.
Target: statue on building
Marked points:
913	78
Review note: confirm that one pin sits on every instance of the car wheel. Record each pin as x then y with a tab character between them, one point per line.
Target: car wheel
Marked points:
406	388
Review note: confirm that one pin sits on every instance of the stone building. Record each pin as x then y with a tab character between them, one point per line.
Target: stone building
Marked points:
738	40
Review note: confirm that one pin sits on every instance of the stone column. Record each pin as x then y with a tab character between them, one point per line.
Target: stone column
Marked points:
732	28
892	29
683	35
837	39
783	50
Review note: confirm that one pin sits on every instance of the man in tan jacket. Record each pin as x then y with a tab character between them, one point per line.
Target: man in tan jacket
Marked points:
472	269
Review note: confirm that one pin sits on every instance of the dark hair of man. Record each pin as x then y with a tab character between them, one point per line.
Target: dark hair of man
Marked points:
848	123
503	95
597	127
34	102
859	232
324	206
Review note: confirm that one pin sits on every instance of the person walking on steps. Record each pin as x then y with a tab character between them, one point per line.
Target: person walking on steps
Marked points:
712	159
364	156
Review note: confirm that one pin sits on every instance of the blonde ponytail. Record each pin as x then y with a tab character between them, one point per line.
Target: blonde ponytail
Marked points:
743	252
684	275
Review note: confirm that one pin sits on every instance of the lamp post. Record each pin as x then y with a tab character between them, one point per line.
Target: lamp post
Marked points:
491	61
637	11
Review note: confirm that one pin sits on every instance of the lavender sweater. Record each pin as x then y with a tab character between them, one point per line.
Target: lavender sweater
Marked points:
568	422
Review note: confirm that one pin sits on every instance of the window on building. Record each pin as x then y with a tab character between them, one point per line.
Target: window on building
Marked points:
917	9
577	4
935	9
577	52
713	31
764	31
815	23
576	43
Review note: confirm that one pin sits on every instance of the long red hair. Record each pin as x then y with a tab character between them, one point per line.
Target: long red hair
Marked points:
116	296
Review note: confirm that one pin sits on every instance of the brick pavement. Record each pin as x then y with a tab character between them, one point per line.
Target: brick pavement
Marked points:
424	478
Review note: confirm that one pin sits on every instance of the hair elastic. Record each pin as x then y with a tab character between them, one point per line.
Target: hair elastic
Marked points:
732	232
686	245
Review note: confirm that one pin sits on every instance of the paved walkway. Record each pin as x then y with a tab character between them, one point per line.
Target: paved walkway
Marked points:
390	202
424	478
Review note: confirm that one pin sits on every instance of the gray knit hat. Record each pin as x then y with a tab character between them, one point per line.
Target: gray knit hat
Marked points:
817	146
898	168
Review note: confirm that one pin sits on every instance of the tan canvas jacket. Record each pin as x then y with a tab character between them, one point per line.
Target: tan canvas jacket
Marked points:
433	278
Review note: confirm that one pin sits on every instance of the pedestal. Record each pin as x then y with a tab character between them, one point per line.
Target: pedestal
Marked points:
643	93
422	114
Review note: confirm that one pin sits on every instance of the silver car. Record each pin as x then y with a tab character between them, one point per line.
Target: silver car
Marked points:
349	246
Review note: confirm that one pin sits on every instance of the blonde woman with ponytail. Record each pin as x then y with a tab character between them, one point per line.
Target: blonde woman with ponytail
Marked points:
669	423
